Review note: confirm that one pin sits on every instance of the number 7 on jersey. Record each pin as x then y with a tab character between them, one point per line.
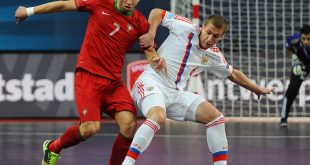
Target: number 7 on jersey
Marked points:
115	30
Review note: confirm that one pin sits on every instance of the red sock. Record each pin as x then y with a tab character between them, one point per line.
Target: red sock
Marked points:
70	138
119	150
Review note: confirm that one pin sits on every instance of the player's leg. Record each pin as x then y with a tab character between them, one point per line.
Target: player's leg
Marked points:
152	105
127	124
88	106
71	137
121	107
155	117
200	110
290	95
216	136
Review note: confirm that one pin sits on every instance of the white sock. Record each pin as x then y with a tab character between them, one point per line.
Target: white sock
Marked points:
217	140
128	161
141	140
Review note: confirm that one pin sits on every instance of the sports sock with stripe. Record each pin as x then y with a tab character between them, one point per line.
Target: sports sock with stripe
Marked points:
217	140
141	140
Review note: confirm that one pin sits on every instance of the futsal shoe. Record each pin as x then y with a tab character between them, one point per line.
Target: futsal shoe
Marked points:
49	157
283	122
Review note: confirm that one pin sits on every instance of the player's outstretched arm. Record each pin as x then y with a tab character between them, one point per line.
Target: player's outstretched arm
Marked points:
154	20
239	78
52	7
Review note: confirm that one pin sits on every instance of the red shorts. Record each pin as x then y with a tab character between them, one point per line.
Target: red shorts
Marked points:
96	94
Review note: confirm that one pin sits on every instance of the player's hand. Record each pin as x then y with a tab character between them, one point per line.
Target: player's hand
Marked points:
146	41
160	64
20	14
265	91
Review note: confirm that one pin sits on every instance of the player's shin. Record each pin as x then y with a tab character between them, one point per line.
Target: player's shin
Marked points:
217	141
119	150
70	138
141	140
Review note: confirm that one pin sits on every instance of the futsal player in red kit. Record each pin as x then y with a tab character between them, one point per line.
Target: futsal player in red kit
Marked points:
113	27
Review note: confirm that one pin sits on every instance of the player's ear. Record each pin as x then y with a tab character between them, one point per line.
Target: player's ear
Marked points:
223	34
221	37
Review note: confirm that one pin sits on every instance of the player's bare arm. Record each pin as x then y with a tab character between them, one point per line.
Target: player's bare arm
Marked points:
146	41
239	78
52	7
154	20
157	63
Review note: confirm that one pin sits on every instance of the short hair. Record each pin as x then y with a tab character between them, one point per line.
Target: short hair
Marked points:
218	21
305	29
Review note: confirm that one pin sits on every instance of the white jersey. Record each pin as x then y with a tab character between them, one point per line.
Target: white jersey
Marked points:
184	58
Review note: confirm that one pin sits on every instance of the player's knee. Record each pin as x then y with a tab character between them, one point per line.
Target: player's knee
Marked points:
217	114
128	128
158	118
157	114
216	117
209	117
89	129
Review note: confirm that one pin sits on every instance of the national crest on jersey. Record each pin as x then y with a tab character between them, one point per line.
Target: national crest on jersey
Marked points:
213	52
129	27
204	59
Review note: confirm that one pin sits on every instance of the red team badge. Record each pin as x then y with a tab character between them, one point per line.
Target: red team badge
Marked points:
133	70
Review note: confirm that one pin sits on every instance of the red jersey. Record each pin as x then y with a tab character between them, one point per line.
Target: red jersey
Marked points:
108	36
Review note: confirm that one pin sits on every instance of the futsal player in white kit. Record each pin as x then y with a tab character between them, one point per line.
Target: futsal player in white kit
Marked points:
188	50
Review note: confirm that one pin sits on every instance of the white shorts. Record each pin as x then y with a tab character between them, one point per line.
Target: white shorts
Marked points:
179	105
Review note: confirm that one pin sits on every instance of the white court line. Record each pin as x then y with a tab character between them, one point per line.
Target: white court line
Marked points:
158	136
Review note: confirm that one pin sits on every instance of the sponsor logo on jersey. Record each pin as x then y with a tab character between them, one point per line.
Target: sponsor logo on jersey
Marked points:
104	13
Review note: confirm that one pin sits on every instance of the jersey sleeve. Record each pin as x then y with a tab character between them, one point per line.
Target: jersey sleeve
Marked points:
85	6
219	67
222	70
175	22
143	25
